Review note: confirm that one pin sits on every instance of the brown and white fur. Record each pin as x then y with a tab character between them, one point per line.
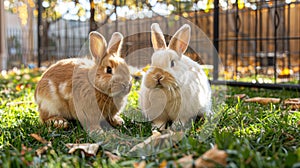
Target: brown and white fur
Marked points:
175	89
89	90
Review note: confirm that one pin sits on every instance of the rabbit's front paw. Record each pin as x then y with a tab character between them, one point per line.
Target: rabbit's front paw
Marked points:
117	121
57	122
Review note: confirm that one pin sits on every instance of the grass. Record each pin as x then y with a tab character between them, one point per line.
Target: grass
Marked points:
252	134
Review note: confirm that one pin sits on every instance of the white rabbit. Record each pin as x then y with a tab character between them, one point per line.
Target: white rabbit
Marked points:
175	89
88	90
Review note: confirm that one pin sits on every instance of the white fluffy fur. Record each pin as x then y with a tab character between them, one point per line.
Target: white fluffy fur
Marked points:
194	93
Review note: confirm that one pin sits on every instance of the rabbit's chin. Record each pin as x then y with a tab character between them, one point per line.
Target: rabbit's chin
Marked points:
163	86
120	91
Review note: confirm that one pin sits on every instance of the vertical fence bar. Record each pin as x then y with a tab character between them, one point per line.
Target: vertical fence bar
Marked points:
260	35
197	25
216	40
276	25
256	41
40	32
249	35
237	25
3	40
284	36
288	35
226	38
66	43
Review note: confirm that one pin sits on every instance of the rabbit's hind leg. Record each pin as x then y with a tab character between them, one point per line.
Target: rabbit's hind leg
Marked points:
55	121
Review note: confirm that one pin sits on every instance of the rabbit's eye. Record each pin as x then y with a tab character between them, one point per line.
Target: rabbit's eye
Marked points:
109	70
172	63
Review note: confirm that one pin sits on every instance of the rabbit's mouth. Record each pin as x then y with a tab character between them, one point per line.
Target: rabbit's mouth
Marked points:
120	89
159	78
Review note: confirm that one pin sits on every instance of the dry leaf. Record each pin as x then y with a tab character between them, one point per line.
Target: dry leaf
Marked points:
43	149
263	100
87	148
163	164
240	96
112	157
288	136
157	139
141	164
186	161
211	158
293	103
146	142
39	138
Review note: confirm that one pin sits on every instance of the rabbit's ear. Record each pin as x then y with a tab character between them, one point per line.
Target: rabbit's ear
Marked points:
97	44
115	43
180	40
157	37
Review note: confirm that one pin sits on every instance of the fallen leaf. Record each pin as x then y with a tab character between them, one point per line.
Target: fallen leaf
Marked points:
39	138
293	103
141	164
158	139
163	164
186	161
263	100
42	149
112	157
288	136
87	148
211	158
147	141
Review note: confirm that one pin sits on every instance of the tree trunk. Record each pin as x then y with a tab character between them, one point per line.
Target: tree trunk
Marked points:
28	46
3	48
93	25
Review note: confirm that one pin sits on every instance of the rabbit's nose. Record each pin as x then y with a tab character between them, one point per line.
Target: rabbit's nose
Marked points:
127	86
158	77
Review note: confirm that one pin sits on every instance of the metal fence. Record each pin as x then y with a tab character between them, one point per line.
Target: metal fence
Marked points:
261	41
258	43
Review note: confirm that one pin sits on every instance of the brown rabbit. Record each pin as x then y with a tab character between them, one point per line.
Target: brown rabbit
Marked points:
88	90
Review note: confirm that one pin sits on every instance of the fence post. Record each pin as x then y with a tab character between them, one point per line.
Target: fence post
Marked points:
93	25
216	40
3	48
276	26
40	32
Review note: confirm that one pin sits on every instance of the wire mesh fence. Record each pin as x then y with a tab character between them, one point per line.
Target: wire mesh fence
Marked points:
258	42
